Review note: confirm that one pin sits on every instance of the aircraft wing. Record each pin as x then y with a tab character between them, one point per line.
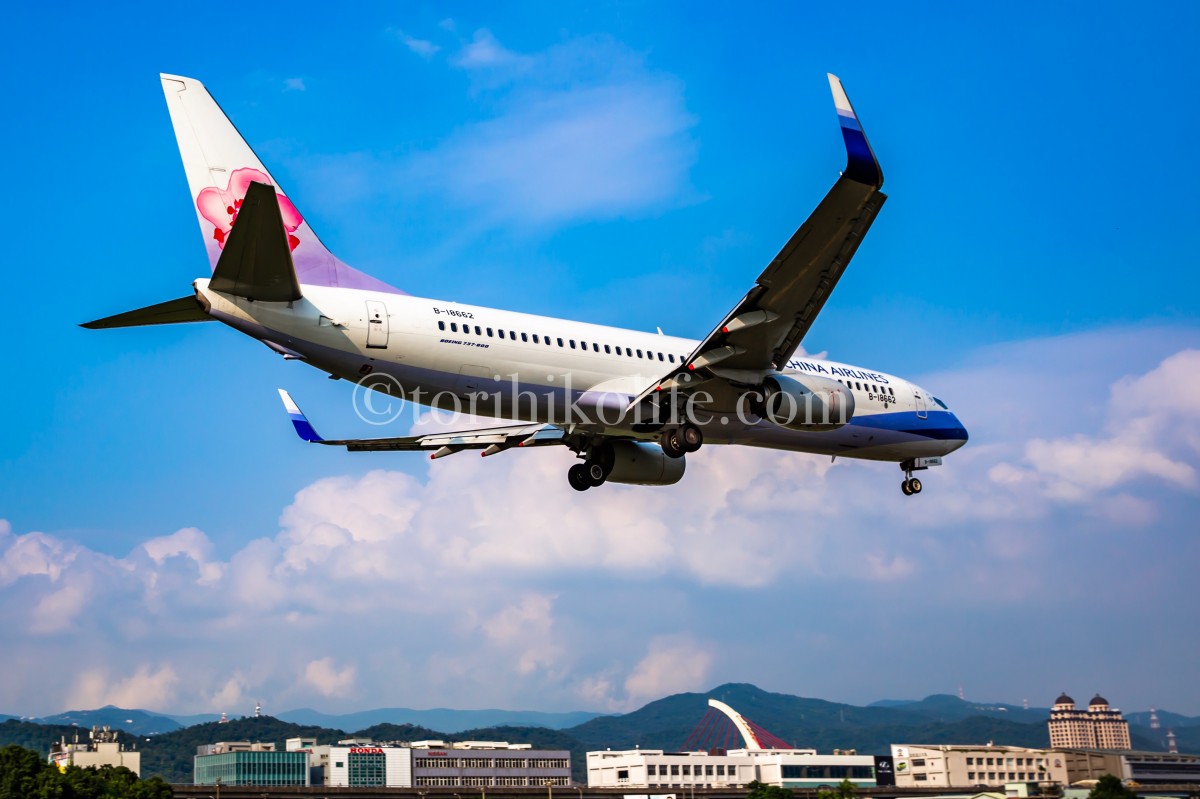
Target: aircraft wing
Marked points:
489	439
764	329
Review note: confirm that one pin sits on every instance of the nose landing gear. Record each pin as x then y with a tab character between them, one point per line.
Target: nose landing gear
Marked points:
910	484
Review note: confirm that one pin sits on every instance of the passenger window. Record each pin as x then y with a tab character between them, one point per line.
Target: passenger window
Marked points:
572	343
660	356
524	337
595	347
560	342
639	353
489	332
550	343
670	358
608	350
535	338
441	325
893	393
478	330
511	335
628	352
454	327
500	333
858	385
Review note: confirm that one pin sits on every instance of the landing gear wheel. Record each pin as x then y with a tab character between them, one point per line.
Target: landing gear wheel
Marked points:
596	473
579	478
915	485
690	437
906	487
672	444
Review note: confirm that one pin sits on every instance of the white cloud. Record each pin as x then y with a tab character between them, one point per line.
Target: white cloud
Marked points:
294	85
1152	432
422	47
328	679
582	130
490	581
486	53
147	687
672	665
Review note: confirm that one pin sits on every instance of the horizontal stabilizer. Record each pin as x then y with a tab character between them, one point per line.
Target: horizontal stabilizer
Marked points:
488	439
257	260
184	309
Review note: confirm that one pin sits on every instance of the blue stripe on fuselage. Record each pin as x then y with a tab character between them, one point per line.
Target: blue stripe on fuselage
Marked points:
940	425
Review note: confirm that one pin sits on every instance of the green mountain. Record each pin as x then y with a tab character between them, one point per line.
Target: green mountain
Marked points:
136	722
663	724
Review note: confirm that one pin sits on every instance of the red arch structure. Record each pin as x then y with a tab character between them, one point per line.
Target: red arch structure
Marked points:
722	727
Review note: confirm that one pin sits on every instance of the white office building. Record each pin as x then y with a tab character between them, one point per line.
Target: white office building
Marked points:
953	766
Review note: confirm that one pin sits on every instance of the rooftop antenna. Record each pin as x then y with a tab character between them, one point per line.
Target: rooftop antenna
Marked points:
1172	747
1154	725
960	692
1025	703
257	710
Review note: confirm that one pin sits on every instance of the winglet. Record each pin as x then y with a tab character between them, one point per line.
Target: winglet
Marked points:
303	428
861	165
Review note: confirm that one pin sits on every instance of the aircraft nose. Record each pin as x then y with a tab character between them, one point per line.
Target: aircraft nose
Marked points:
958	433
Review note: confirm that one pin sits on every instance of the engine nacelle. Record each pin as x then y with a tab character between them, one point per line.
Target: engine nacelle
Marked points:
636	463
809	403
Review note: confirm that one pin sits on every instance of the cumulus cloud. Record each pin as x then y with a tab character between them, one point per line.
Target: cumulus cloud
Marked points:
672	665
1152	432
490	581
146	687
294	85
327	679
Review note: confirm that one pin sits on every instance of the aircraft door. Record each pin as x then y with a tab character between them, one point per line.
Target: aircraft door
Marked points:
377	325
922	408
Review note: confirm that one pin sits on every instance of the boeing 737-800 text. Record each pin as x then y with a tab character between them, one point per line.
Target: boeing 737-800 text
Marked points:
629	405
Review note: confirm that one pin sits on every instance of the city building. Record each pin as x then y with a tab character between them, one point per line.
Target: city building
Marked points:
245	763
655	768
488	763
101	749
789	768
1144	768
364	763
1098	727
953	766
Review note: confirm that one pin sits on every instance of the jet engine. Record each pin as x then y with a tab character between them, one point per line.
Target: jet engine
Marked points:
809	403
637	463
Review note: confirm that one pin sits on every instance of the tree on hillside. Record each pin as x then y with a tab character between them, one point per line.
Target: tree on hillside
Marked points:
1110	787
758	790
844	790
24	774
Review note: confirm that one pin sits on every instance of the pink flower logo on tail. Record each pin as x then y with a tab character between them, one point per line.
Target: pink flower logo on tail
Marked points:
220	207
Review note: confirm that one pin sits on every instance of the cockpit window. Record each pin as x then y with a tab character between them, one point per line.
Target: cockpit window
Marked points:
941	404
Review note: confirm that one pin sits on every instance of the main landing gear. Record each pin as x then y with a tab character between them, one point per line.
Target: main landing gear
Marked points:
677	442
912	485
593	471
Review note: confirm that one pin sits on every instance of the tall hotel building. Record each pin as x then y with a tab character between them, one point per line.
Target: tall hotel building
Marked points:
1098	727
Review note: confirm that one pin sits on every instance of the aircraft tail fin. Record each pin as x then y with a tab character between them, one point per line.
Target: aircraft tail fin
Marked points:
220	169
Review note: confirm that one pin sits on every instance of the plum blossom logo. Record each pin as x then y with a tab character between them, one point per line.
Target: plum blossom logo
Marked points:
221	206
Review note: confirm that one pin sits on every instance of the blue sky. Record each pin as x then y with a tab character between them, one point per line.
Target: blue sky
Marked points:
636	165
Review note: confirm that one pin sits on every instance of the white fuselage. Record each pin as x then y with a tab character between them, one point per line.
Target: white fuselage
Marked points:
531	368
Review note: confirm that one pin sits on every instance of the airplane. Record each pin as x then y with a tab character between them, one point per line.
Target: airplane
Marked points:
630	405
